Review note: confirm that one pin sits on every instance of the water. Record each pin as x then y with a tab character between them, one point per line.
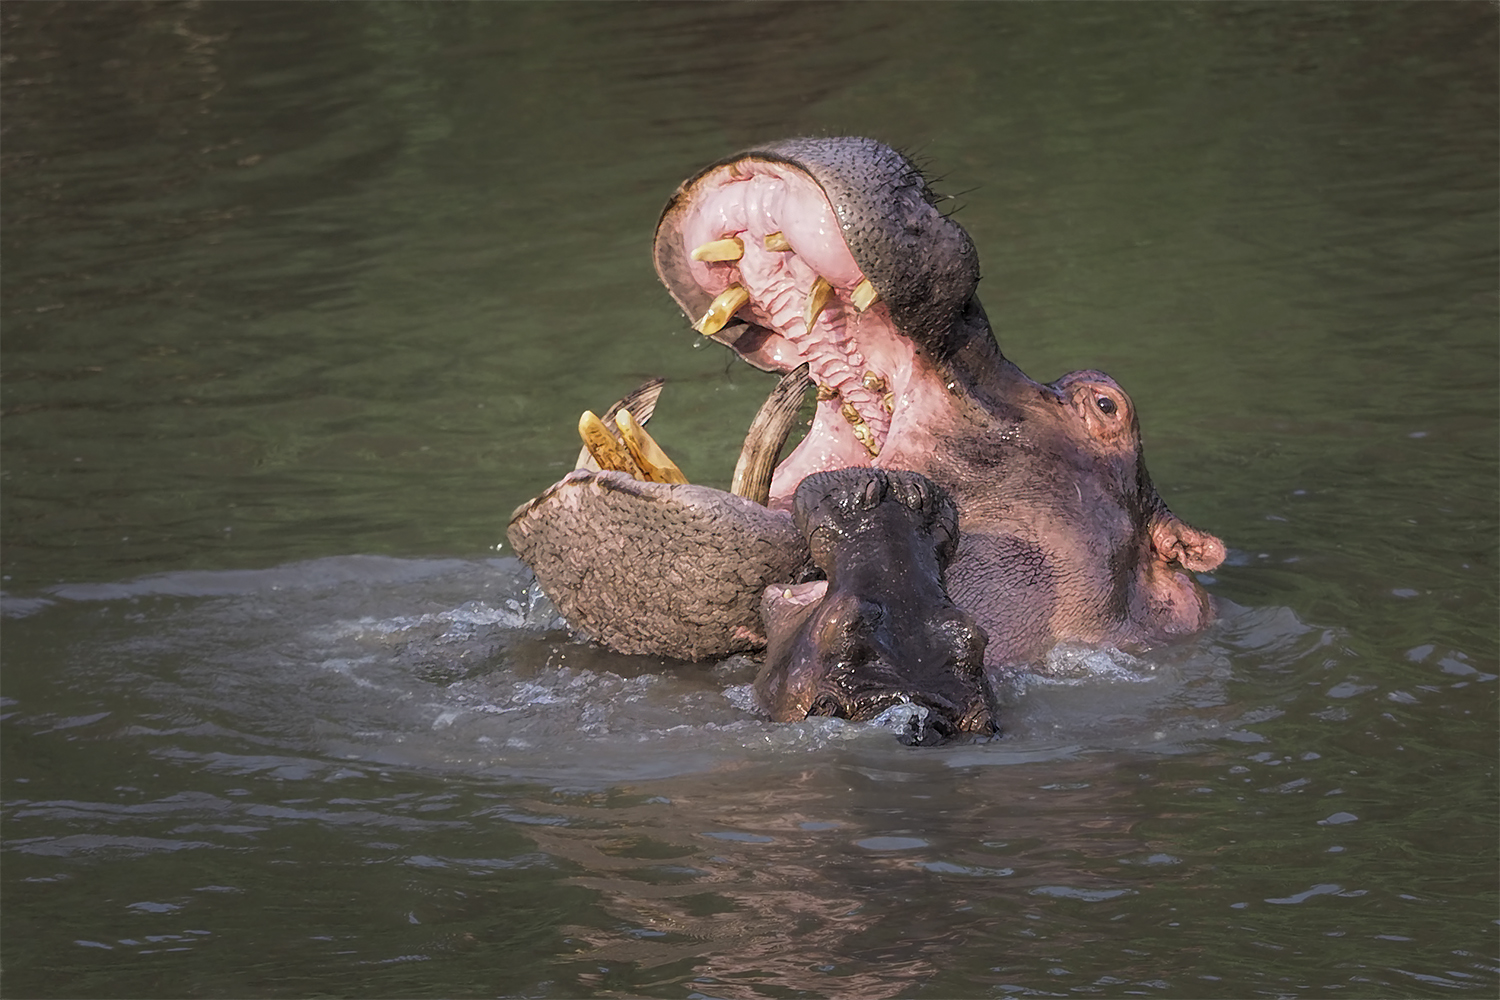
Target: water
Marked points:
300	301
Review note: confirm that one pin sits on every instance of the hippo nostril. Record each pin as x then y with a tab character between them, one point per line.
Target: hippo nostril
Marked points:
928	731
826	706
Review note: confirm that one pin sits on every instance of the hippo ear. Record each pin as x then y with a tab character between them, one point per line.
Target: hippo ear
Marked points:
1194	550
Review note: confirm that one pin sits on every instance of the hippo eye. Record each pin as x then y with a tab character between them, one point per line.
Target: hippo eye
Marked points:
1106	405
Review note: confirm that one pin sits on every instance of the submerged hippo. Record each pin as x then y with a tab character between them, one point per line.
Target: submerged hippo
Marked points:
830	254
880	629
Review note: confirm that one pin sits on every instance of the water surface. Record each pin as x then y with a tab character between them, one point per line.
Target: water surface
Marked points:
300	301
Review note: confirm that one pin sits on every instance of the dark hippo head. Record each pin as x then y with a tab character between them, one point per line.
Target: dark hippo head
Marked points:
831	253
880	630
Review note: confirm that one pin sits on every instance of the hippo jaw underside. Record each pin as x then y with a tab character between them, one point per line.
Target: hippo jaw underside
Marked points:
832	253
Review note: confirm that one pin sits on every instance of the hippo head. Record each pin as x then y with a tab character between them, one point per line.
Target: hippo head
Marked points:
831	255
879	630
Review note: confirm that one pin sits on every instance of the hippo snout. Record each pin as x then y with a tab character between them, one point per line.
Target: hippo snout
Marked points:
879	639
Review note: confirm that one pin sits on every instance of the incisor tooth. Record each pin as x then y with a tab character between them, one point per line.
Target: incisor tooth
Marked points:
658	468
777	242
721	310
817	298
602	444
864	295
729	248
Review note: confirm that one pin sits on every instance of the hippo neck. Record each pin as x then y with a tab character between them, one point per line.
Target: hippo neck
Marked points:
984	386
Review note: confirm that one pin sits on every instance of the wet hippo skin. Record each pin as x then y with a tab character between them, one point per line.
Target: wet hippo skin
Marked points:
832	252
880	629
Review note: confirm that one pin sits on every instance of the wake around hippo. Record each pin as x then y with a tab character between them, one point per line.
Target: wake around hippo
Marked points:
829	257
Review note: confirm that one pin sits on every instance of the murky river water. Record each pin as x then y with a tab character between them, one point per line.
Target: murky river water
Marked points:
300	301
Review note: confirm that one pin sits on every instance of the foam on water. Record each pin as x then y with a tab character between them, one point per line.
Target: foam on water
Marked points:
465	664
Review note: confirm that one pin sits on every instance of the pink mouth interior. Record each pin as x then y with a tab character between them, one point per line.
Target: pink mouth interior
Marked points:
855	358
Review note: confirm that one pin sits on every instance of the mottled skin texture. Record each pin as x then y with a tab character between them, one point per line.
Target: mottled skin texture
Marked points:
657	568
881	630
1061	534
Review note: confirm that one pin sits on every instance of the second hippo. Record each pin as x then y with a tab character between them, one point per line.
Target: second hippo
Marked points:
880	630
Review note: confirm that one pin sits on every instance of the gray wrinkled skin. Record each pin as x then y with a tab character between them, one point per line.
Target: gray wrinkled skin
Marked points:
884	631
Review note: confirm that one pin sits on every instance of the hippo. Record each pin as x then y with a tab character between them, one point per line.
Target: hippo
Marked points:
828	259
880	629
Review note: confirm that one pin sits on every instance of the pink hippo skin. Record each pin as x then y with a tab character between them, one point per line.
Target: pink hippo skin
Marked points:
1061	534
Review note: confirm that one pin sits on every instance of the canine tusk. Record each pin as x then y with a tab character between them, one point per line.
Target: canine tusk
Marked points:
729	248
767	434
602	446
721	310
654	463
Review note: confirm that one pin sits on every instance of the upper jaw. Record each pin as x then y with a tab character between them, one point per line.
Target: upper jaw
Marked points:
807	251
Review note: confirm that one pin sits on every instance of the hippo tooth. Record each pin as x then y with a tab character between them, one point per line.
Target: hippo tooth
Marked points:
873	382
767	434
729	248
721	309
864	295
602	445
776	242
817	298
658	468
888	402
642	403
860	428
827	392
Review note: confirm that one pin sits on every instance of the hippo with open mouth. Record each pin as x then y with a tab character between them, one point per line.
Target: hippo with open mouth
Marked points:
827	259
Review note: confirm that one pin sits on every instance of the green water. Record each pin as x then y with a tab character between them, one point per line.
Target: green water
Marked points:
298	302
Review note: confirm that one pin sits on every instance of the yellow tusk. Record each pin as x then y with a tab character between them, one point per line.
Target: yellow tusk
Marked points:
864	295
817	298
729	248
658	468
602	444
777	242
721	310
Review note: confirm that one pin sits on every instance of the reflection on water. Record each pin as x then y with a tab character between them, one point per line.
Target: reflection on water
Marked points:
430	718
300	300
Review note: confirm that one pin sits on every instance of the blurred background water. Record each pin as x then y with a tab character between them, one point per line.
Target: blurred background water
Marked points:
301	300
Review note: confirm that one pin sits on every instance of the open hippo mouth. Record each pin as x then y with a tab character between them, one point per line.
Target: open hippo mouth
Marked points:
827	260
761	251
